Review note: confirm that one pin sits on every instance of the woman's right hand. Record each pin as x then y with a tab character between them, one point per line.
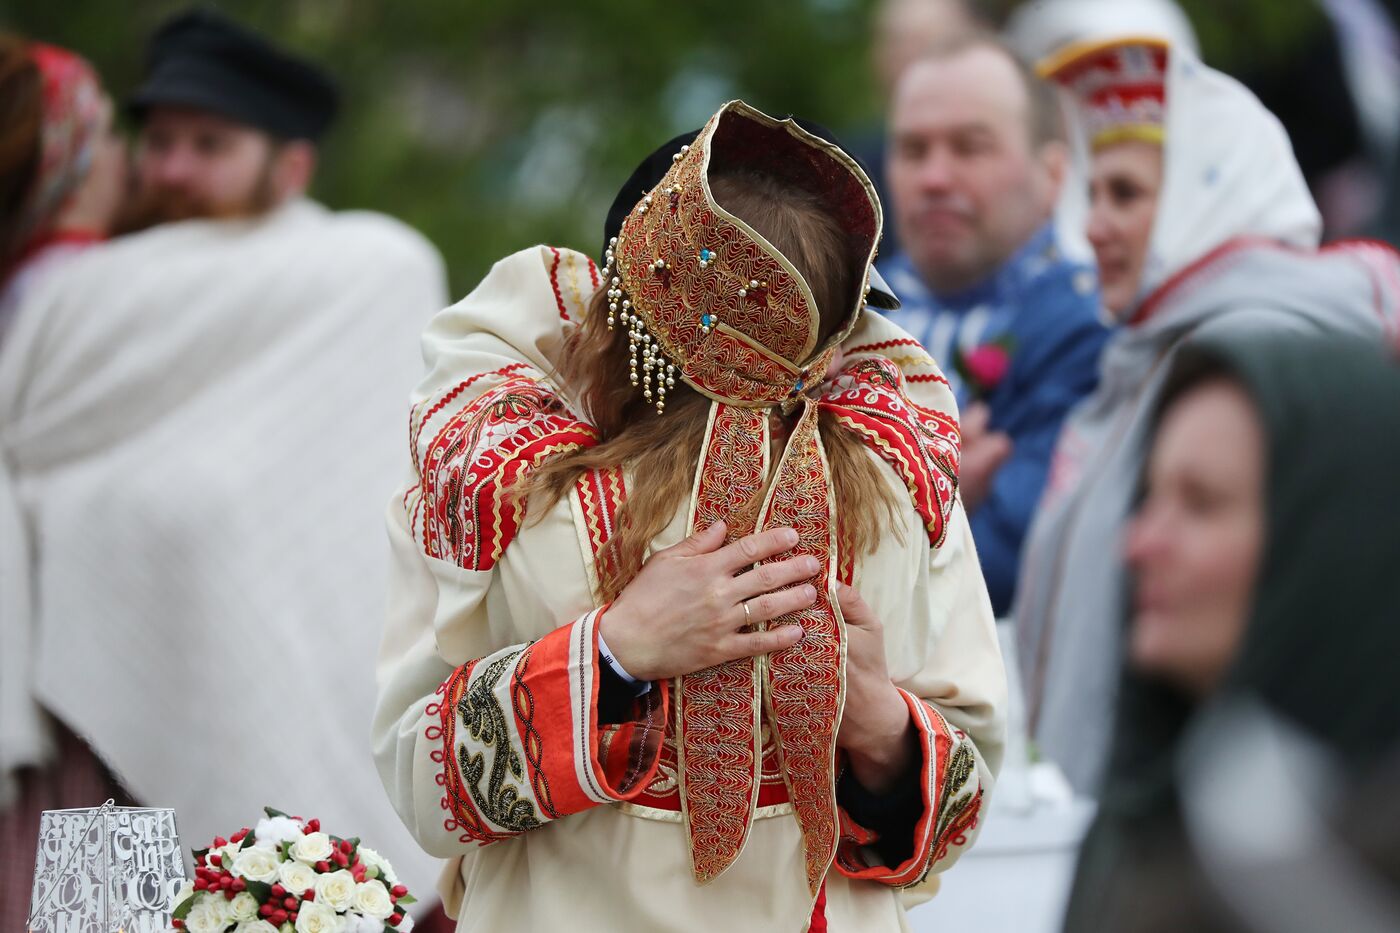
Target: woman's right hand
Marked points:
684	611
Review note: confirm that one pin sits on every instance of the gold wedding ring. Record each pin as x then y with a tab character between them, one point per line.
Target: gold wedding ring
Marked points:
748	616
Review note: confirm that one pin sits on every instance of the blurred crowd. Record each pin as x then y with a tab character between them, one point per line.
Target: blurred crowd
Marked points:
1162	295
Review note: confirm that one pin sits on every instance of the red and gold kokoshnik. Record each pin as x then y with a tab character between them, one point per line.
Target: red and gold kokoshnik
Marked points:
706	297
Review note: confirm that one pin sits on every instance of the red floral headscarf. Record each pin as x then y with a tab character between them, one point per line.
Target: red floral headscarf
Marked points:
73	110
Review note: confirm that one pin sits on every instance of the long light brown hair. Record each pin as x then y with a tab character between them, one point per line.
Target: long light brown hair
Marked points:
661	450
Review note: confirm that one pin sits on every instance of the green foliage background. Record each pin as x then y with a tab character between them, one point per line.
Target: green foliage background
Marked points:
490	124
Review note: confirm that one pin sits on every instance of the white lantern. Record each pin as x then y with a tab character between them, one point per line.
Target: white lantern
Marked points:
106	869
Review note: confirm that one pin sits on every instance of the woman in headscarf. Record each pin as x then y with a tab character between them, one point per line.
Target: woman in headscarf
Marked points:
62	168
1201	224
778	701
1263	555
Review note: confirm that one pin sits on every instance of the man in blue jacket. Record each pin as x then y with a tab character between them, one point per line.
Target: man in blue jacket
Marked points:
975	161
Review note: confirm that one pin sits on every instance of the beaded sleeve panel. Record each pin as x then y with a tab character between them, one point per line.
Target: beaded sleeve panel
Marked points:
517	740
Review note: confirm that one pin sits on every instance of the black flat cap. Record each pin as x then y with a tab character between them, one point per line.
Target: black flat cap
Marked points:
653	168
204	60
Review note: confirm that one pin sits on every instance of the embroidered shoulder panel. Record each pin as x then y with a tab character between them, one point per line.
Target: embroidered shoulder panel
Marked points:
469	455
922	444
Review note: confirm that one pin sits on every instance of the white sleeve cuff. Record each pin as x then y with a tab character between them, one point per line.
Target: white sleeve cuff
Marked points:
640	686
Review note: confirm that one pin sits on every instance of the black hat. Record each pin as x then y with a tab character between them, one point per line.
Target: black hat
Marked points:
202	59
649	174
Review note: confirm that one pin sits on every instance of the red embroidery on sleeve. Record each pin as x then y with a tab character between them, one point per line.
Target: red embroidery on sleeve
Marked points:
468	468
920	443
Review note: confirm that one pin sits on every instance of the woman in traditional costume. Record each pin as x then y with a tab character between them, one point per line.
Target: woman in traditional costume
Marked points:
688	630
1263	556
1201	225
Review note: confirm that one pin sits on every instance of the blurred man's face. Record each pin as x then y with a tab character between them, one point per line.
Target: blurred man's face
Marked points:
195	164
968	186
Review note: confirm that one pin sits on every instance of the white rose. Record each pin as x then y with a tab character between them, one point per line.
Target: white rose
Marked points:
316	918
226	856
362	924
186	889
277	829
336	890
312	848
244	906
376	862
255	926
372	900
219	909
205	917
256	864
296	877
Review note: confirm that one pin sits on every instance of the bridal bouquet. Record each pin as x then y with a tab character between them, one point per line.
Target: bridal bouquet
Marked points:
286	876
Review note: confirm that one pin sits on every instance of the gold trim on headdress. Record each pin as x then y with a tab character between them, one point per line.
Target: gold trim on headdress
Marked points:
1135	132
704	296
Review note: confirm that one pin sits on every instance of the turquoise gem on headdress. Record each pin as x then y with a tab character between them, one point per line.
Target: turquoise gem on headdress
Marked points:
706	255
706	320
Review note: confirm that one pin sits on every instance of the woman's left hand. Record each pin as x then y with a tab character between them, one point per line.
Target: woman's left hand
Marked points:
875	730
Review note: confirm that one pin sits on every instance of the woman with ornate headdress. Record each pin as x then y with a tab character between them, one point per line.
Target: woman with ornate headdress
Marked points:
1202	226
688	628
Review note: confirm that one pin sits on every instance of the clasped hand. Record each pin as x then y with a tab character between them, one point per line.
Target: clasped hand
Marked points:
684	612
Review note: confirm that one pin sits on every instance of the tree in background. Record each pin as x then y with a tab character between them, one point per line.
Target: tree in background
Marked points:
491	125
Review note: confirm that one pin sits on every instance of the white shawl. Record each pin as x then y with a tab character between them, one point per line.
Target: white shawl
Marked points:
1036	30
198	426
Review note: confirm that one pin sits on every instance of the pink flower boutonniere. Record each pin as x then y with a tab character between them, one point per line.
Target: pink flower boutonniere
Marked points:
983	367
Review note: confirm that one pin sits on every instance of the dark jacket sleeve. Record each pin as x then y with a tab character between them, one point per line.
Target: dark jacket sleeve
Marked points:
1055	363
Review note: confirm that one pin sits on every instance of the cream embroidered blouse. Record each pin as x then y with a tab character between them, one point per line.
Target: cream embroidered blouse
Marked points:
486	732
